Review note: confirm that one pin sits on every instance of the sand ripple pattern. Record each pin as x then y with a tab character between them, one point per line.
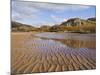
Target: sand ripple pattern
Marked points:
32	55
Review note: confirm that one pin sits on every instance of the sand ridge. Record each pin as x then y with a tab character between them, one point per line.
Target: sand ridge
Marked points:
31	55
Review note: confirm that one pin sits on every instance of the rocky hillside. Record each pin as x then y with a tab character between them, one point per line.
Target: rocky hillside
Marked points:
78	25
70	25
72	22
79	22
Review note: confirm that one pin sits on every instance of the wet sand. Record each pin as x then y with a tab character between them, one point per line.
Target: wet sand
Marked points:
32	54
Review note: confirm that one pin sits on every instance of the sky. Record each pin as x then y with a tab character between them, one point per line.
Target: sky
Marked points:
42	13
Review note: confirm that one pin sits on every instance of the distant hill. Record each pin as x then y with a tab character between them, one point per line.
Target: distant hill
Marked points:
78	22
19	27
91	19
76	25
70	25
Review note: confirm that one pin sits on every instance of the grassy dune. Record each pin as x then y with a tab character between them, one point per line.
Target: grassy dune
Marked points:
31	55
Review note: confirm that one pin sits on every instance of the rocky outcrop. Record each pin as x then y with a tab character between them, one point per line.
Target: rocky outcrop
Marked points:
78	22
72	22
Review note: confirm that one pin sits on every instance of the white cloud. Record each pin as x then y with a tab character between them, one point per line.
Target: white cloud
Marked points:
22	10
34	7
60	7
58	19
29	8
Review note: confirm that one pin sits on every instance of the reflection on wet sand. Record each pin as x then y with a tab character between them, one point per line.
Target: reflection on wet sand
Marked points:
78	43
58	45
32	54
74	40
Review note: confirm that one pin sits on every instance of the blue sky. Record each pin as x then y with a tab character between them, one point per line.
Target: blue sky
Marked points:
38	14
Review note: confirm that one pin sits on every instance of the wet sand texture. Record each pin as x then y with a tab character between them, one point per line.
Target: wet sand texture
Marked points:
31	55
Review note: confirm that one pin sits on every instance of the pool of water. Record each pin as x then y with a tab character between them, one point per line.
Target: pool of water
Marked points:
73	40
52	44
72	36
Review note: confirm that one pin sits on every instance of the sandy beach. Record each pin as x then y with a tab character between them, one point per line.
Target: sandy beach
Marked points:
31	53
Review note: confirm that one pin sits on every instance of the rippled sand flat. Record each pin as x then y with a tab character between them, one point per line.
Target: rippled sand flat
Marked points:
32	54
